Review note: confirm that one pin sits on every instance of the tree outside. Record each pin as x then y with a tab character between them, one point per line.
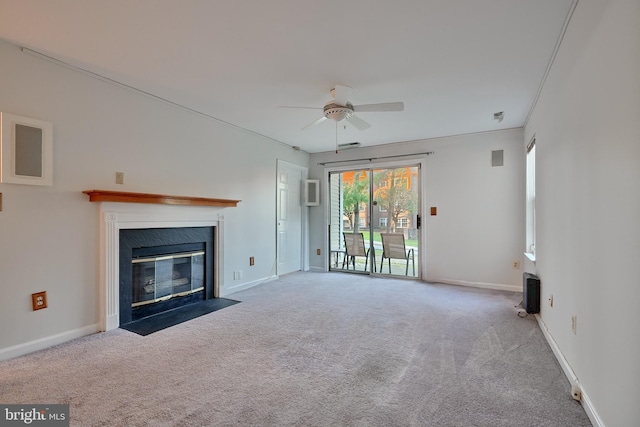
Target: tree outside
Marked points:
355	195
394	194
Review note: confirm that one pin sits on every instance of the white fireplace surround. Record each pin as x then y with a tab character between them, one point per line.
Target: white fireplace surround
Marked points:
116	216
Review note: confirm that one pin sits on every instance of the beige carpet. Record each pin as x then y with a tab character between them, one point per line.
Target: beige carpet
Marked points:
314	349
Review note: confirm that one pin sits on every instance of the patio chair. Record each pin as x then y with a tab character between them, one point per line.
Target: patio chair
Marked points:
354	246
393	247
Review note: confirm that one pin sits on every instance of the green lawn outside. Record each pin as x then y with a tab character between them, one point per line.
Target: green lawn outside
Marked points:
377	239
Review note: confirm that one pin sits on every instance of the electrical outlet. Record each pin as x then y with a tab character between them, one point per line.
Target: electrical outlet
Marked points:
516	265
574	324
551	300
39	300
119	177
252	261
318	251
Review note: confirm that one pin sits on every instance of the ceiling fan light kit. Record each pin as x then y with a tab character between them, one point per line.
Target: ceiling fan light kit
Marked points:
337	112
341	109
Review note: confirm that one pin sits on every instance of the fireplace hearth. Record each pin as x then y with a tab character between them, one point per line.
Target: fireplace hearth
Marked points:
164	268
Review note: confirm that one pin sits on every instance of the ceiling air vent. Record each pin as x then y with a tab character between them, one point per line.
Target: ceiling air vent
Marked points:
349	145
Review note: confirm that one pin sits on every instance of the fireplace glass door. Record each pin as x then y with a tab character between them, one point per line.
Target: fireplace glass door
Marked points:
160	278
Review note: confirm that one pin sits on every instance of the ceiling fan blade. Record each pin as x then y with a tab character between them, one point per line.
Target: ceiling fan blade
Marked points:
341	94
385	106
296	107
358	123
320	120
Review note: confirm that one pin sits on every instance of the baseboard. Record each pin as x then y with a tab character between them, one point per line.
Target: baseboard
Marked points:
494	286
570	374
226	291
591	410
42	343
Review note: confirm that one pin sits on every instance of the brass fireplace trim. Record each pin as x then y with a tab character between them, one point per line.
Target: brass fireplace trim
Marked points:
167	297
166	257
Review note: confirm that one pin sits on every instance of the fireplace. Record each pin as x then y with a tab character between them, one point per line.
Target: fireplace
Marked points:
135	211
164	268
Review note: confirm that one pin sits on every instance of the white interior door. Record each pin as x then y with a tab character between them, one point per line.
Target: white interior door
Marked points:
290	220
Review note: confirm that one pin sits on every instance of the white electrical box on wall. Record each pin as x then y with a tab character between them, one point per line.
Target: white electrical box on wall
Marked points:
311	192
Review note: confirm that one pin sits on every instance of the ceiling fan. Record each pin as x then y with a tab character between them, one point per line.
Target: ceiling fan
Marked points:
340	109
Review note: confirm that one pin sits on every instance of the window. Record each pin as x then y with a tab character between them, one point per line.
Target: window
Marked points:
531	199
403	222
383	222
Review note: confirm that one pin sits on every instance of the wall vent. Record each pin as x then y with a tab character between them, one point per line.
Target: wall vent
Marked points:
497	158
349	145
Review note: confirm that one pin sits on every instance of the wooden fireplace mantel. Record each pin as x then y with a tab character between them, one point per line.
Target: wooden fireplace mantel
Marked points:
161	199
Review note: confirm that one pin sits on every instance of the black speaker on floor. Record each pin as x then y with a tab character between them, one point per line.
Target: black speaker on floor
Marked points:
531	293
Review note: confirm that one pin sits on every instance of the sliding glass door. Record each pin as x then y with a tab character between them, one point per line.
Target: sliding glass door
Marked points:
349	220
374	221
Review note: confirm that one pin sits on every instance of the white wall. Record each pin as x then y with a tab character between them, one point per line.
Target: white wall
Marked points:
49	235
478	232
587	128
